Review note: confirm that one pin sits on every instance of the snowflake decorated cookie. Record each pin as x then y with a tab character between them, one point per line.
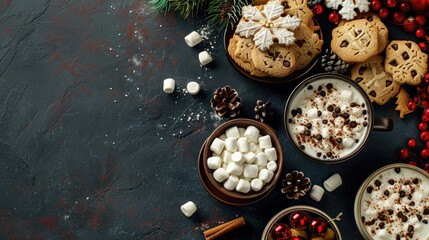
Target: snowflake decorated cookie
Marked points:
266	24
347	8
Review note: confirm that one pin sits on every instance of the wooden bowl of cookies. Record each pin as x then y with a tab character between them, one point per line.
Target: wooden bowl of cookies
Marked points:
241	161
289	50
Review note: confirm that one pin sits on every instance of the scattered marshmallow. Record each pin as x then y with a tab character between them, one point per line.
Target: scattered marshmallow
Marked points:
316	193
243	186
261	159
188	208
272	166
214	162
256	184
234	168
231	182
243	145
237	157
250	170
169	85
333	182
231	144
241	131
312	113
232	132
265	142
193	39
220	174
217	145
252	133
205	58
193	88
271	154
253	147
266	175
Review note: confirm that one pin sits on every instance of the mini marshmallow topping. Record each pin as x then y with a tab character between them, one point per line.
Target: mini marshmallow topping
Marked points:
248	159
328	119
395	205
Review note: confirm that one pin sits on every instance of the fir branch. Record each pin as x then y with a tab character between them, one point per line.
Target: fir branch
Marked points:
188	8
224	13
160	5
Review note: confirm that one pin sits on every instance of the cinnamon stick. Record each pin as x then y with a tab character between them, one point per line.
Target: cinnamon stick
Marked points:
224	228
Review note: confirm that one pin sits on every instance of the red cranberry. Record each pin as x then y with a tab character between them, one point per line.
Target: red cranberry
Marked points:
376	5
422	46
425	103
420	33
334	17
405	7
427	144
411	106
404	153
426	166
425	118
422	126
420	20
427	77
412	143
424	153
424	136
424	96
392	3
412	163
383	12
398	17
426	112
416	99
317	9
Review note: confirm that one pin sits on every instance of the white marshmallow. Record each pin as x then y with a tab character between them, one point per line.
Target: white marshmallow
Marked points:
250	170
348	142
252	133
243	145
256	184
217	145
271	154
237	157
312	113
333	182
339	122
234	168
357	112
316	193
168	85
193	88
231	144
232	132
193	38
243	186
241	131
249	157
266	175
265	142
231	182
261	159
222	137
346	95
220	174
272	166
214	162
205	58
226	156
253	147
188	208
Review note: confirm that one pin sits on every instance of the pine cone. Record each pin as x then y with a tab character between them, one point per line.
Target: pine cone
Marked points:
226	102
332	63
295	185
263	110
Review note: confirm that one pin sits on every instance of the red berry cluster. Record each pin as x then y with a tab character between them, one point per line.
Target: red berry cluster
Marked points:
412	15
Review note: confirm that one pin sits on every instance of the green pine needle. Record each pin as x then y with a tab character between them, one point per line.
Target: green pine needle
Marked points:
188	8
160	5
224	13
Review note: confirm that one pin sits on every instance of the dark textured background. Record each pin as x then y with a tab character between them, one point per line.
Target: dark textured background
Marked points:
91	147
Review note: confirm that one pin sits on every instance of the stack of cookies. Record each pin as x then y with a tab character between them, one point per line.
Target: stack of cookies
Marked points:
380	67
278	54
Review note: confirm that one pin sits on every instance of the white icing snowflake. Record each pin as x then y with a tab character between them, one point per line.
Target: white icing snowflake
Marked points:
267	25
348	7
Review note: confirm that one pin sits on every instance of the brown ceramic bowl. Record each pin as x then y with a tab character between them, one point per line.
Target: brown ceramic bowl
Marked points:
284	215
215	188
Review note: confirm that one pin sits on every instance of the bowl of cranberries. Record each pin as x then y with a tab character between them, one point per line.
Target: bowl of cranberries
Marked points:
301	222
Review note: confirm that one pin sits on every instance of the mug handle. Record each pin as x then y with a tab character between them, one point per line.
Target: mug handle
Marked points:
383	124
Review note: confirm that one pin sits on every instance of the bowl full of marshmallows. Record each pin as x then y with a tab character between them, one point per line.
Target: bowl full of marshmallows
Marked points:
242	160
